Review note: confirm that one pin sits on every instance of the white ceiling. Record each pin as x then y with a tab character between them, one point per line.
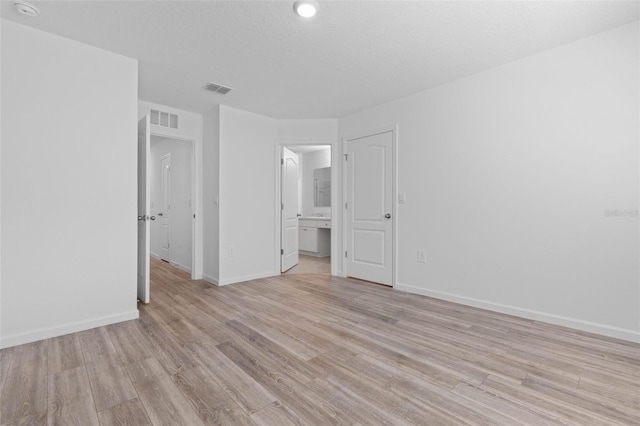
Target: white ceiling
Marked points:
351	56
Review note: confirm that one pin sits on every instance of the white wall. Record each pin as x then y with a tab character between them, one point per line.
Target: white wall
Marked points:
247	175
308	130
310	161
190	127
69	229
211	191
181	204
508	174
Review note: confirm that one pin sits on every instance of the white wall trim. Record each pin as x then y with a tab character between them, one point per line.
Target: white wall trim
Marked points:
591	327
181	266
244	278
72	327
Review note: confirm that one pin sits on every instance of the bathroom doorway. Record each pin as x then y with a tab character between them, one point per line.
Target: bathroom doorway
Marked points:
306	219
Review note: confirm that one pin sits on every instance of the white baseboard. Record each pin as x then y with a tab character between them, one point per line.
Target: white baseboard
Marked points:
181	266
591	327
313	253
210	279
228	281
60	330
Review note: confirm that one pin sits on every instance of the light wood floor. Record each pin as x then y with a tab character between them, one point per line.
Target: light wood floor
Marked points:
311	265
312	349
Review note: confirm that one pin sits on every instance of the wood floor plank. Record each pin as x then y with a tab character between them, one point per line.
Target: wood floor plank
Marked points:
308	406
518	413
129	413
110	384
97	346
128	341
276	414
542	402
241	387
212	404
25	386
70	400
64	353
165	404
315	349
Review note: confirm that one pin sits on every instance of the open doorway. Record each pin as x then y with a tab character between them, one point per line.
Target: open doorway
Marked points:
150	168
306	211
171	201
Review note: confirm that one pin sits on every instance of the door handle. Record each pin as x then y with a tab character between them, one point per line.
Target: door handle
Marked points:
159	214
387	216
140	217
153	218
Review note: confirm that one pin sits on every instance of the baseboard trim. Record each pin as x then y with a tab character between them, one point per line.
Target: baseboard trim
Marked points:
72	327
244	278
591	327
210	279
180	266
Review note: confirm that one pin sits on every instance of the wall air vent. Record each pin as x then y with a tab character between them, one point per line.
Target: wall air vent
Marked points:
163	119
216	88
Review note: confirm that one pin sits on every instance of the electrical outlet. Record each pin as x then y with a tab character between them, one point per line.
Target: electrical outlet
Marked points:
422	256
231	251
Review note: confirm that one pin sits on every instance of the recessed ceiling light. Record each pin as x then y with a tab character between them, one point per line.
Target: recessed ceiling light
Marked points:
306	8
26	8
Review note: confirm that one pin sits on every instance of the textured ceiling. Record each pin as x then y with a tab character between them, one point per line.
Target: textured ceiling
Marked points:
351	56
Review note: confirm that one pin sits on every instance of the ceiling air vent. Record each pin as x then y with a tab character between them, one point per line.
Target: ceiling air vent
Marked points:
164	119
216	88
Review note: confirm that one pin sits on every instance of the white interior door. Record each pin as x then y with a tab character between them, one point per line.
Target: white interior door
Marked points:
289	210
144	206
165	205
369	208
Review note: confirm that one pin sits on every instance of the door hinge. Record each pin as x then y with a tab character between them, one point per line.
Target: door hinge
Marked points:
281	206
345	254
281	251
346	157
346	206
194	216
168	245
282	161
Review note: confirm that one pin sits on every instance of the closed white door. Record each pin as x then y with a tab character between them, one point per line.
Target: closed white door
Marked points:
289	210
144	207
165	205
369	208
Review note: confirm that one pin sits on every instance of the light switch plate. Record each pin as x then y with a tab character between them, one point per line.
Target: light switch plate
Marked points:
402	197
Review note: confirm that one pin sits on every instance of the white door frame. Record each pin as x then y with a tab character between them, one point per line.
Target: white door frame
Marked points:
334	199
194	197
394	191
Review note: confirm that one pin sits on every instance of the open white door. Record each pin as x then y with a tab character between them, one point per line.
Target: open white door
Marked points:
369	207
289	210
144	206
